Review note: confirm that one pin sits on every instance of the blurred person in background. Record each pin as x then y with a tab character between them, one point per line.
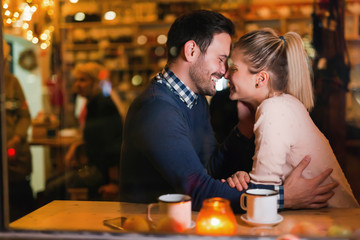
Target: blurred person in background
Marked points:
101	125
18	121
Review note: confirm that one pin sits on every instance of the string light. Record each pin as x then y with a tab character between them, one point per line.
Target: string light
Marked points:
35	40
43	36
22	16
25	26
43	46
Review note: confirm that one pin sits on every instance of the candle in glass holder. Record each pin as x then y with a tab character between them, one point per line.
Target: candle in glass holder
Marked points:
216	218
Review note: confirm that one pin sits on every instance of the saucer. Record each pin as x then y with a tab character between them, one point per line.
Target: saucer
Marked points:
278	219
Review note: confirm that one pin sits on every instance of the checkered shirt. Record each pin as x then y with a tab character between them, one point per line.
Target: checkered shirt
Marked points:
167	77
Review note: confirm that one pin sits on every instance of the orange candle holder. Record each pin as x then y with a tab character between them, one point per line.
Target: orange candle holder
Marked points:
216	218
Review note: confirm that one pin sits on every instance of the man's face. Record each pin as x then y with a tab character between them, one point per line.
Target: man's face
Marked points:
211	65
84	85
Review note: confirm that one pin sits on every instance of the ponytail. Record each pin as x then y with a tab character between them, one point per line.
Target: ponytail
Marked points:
299	81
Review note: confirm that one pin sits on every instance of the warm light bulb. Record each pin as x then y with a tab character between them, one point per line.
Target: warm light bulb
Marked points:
159	51
80	16
161	39
35	40
29	37
43	46
8	21
142	39
74	1
27	8
5	6
25	26
136	80
43	36
110	15
46	3
7	13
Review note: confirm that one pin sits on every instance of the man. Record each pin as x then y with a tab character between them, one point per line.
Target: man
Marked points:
92	162
18	121
168	143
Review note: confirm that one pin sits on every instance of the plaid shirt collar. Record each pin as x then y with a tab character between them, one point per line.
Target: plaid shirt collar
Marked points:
167	77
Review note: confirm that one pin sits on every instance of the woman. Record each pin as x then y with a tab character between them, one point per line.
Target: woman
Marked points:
271	74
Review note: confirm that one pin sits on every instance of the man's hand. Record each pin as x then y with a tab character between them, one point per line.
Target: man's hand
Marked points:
300	192
240	179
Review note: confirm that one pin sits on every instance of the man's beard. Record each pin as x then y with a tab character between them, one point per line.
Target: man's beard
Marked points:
201	78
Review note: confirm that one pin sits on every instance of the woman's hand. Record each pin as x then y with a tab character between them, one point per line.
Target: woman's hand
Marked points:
240	179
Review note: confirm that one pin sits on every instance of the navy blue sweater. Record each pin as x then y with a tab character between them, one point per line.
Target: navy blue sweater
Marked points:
169	148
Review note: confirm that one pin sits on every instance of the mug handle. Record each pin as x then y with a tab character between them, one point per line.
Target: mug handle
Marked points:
242	202
150	206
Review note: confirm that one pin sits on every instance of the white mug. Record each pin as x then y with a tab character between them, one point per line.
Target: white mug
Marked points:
176	206
261	204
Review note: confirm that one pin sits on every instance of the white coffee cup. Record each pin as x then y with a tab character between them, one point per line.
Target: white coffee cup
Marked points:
261	204
176	206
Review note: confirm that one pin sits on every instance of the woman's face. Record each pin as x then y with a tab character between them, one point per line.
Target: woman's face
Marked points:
84	85
242	82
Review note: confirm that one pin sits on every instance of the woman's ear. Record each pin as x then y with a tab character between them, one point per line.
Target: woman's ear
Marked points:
262	79
191	51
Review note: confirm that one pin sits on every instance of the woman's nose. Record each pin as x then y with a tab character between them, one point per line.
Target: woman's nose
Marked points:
226	74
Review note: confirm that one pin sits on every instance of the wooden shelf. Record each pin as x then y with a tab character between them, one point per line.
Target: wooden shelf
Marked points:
112	24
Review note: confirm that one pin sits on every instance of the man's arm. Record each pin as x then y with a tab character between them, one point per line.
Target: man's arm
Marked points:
300	192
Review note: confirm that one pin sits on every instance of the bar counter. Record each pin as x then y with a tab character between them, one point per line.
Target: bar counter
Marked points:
90	216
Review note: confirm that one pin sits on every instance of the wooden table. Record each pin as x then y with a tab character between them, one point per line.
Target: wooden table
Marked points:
57	148
55	142
89	216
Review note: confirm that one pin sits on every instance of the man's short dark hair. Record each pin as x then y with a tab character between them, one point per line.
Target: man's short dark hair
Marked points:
200	26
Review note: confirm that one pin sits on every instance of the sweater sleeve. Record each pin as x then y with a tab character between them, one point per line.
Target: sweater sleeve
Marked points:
163	136
273	140
233	155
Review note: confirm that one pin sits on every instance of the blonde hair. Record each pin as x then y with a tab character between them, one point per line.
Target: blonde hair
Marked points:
284	58
89	69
